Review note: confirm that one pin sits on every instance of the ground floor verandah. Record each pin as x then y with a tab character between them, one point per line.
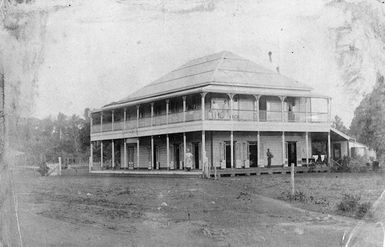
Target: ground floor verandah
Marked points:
224	150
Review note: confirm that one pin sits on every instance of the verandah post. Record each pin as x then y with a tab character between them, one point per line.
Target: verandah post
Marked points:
152	113
152	152
101	154
91	155
137	118
137	153
168	151
292	180
258	147
283	148
329	149
124	116
307	147
306	113
112	120
232	148
184	148
125	153
203	131
231	96
203	105
91	122
167	109
113	153
256	107
184	108
101	121
282	108
203	148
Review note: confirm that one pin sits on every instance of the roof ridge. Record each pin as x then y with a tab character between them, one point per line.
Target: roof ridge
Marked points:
176	78
195	64
270	72
217	67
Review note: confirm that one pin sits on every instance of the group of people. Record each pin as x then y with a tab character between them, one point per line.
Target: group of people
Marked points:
219	112
189	162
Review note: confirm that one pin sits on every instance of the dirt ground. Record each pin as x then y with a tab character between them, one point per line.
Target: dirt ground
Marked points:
325	190
140	211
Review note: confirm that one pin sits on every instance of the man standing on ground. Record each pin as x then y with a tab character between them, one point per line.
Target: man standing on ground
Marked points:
269	157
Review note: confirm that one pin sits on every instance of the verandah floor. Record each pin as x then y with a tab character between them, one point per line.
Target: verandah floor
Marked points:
220	172
265	170
146	172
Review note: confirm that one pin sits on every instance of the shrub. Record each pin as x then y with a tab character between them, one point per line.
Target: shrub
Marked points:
341	165
363	209
351	206
349	203
359	164
43	169
347	164
298	196
376	165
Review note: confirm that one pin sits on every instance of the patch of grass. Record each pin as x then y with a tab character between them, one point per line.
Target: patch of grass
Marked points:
302	197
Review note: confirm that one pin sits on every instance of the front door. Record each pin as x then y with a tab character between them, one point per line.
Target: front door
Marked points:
130	154
196	155
228	155
292	153
176	156
155	156
253	154
337	151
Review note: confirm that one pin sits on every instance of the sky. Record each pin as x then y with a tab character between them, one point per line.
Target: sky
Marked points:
99	51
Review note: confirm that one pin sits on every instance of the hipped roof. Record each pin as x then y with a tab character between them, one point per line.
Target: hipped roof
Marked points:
224	68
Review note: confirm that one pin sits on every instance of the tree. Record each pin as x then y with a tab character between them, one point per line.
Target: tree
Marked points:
50	138
339	125
368	124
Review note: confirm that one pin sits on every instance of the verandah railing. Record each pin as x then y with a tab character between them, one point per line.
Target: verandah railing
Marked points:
215	114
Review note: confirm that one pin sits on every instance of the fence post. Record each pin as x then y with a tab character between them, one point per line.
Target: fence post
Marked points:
59	166
90	164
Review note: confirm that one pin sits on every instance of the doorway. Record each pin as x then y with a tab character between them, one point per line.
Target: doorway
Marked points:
337	151
253	154
130	154
177	156
155	156
228	154
292	153
196	155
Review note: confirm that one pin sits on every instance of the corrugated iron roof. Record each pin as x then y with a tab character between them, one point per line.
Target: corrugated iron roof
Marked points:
223	68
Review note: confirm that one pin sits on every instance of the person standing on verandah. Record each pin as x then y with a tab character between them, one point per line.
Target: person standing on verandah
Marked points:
188	160
269	157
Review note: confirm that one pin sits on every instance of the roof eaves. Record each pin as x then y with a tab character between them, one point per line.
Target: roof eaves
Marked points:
151	96
340	133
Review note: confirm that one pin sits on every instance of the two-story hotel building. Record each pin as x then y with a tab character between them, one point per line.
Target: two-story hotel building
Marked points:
223	104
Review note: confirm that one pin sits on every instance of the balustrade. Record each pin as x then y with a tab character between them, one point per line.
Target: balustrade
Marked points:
219	114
